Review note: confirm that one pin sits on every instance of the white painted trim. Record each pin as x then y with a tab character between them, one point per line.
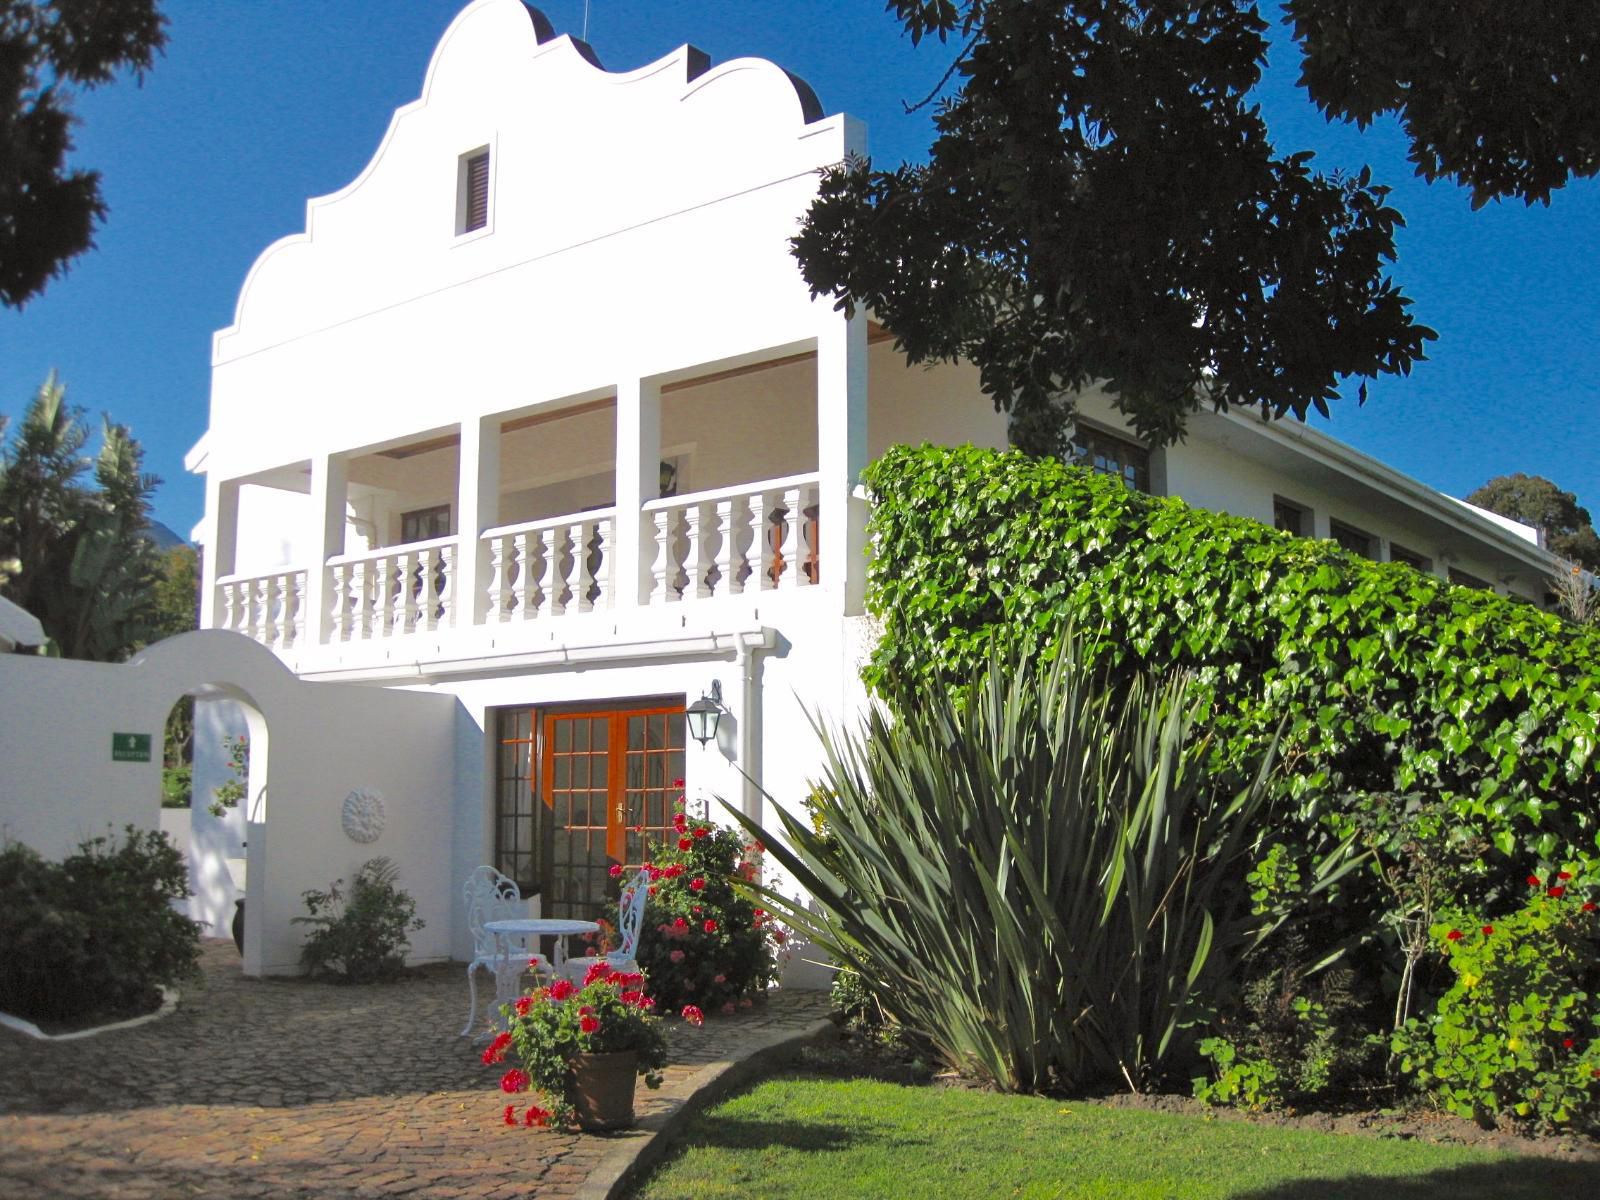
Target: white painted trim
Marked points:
169	1005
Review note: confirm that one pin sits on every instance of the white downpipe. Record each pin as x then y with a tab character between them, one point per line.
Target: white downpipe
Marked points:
749	742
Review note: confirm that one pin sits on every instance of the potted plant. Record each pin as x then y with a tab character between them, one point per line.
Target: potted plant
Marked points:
582	1047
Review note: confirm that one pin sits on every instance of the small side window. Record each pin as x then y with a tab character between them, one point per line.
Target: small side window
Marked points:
1289	517
1398	553
472	191
1353	539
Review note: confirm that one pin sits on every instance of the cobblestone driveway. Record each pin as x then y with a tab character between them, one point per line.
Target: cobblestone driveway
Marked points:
285	1088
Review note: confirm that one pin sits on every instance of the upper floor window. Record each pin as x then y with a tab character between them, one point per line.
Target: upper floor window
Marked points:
1289	517
1109	454
472	191
1463	579
1353	540
1398	553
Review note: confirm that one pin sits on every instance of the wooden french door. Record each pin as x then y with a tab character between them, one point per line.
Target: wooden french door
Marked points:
607	780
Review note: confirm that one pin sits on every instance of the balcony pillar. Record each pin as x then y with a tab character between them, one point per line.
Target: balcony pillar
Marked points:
222	540
842	455
638	482
477	509
329	494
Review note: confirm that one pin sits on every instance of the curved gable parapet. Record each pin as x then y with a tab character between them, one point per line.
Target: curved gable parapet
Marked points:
577	153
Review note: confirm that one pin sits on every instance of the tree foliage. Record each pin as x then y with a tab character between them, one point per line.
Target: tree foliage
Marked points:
1102	201
49	49
83	563
1567	527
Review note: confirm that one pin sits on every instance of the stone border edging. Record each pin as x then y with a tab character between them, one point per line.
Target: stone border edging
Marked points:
645	1146
169	1004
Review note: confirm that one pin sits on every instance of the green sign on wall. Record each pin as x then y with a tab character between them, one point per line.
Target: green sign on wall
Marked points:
130	747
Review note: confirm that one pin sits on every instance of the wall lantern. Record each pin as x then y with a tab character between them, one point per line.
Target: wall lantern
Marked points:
704	714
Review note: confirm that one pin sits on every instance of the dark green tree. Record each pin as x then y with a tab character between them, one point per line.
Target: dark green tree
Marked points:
83	562
1568	531
1102	202
49	51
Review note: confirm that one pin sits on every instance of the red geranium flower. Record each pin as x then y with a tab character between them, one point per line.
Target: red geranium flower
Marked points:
685	843
694	1016
697	884
1555	891
524	1004
588	1024
710	926
1563	874
701	831
1454	935
676	956
514	1080
680	822
1567	1043
1487	930
680	923
1588	906
497	1048
616	870
536	1116
562	989
677	783
1533	881
511	1111
779	936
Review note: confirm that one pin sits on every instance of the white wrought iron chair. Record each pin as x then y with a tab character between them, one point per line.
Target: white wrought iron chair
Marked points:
492	896
630	920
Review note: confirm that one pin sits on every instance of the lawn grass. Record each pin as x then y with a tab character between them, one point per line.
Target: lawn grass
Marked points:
805	1135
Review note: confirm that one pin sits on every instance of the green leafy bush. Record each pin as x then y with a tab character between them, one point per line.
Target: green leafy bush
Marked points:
360	938
1295	1038
1043	881
1391	681
96	933
705	943
1518	1035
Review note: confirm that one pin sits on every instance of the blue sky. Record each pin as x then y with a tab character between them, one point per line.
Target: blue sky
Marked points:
257	107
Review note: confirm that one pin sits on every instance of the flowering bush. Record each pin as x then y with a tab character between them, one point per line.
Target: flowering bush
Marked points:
551	1025
1519	1032
704	945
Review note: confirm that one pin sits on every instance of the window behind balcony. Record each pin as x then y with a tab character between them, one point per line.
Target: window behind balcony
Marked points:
1108	454
425	524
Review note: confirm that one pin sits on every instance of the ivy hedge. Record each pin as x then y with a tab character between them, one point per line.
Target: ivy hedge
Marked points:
1382	679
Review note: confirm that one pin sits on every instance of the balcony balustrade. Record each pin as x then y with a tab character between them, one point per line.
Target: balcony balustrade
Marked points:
752	539
268	607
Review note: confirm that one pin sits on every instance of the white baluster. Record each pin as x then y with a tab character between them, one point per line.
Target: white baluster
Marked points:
495	594
447	585
410	591
660	592
294	609
225	604
555	582
791	539
579	577
602	575
260	618
530	561
758	544
697	561
365	585
728	560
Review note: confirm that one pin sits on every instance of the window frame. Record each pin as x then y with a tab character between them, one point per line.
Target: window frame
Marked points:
1336	527
1085	455
1303	522
464	226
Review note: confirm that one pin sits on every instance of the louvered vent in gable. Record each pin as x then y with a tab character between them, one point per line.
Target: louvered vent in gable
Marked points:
472	191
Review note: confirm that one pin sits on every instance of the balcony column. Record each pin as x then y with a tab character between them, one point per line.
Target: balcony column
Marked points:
222	539
638	482
325	537
477	509
842	455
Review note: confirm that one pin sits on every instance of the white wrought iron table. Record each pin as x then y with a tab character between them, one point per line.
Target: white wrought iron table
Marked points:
508	967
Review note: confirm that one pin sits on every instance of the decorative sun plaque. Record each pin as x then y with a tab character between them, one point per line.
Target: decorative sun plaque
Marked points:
362	816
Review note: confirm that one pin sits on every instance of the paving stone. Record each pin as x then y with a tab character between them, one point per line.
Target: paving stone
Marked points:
288	1088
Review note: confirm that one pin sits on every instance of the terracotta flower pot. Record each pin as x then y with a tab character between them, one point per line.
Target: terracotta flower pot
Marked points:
602	1089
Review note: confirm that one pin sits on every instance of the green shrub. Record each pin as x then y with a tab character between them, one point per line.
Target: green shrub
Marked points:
1518	1035
1392	681
95	933
1043	881
1296	1037
704	942
177	785
361	938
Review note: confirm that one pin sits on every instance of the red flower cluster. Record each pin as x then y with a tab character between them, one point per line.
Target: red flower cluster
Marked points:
1454	935
693	1015
514	1080
497	1049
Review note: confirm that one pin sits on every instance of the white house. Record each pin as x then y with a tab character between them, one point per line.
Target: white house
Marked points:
537	414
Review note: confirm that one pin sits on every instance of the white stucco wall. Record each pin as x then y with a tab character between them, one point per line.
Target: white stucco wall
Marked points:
314	743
